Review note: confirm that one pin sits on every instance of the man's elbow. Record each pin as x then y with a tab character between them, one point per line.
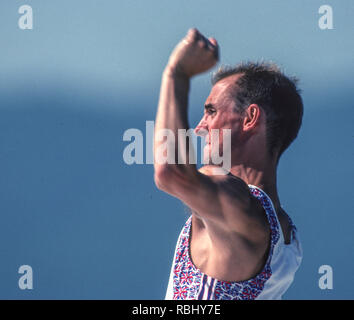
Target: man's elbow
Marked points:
172	178
163	177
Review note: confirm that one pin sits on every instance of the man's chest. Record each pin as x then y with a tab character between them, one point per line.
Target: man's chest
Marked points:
230	260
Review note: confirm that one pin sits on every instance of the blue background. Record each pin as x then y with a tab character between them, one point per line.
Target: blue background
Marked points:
93	227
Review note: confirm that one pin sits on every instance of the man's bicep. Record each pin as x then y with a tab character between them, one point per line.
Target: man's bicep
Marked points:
198	191
219	199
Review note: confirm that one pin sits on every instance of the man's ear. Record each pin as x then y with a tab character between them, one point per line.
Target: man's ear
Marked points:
251	117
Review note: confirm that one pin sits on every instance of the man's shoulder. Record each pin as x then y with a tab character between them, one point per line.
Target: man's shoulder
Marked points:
224	179
241	210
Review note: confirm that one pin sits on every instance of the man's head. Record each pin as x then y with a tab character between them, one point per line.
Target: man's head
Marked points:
256	101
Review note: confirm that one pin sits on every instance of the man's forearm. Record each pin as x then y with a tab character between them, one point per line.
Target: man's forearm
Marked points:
193	55
172	114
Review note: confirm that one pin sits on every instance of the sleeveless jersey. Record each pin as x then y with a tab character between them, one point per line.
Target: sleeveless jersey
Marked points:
187	282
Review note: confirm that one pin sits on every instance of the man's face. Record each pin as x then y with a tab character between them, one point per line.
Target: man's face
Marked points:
219	113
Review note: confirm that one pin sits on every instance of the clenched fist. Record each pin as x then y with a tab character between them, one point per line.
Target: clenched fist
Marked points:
193	55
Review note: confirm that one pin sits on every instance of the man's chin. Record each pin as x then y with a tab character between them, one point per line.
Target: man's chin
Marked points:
213	170
208	156
209	161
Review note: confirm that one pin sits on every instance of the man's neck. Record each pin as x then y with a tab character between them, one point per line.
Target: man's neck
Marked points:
262	176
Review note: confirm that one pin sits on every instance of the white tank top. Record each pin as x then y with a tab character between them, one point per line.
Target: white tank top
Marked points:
187	282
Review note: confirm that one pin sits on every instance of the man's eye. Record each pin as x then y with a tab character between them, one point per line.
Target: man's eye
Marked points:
210	111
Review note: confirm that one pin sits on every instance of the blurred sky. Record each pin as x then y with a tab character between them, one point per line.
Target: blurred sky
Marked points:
93	227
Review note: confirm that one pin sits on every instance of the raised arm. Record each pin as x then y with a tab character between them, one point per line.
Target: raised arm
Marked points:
222	200
193	55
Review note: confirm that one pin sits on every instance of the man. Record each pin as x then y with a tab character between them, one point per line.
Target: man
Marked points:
238	243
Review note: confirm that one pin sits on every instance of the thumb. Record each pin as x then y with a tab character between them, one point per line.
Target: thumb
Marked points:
213	41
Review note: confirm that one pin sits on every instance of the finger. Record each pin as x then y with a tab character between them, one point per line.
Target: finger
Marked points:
215	47
193	34
213	41
209	42
203	43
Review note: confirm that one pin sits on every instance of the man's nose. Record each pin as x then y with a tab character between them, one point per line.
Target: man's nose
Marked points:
201	129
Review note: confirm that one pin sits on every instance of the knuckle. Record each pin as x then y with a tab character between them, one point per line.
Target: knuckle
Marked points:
193	30
193	33
201	44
